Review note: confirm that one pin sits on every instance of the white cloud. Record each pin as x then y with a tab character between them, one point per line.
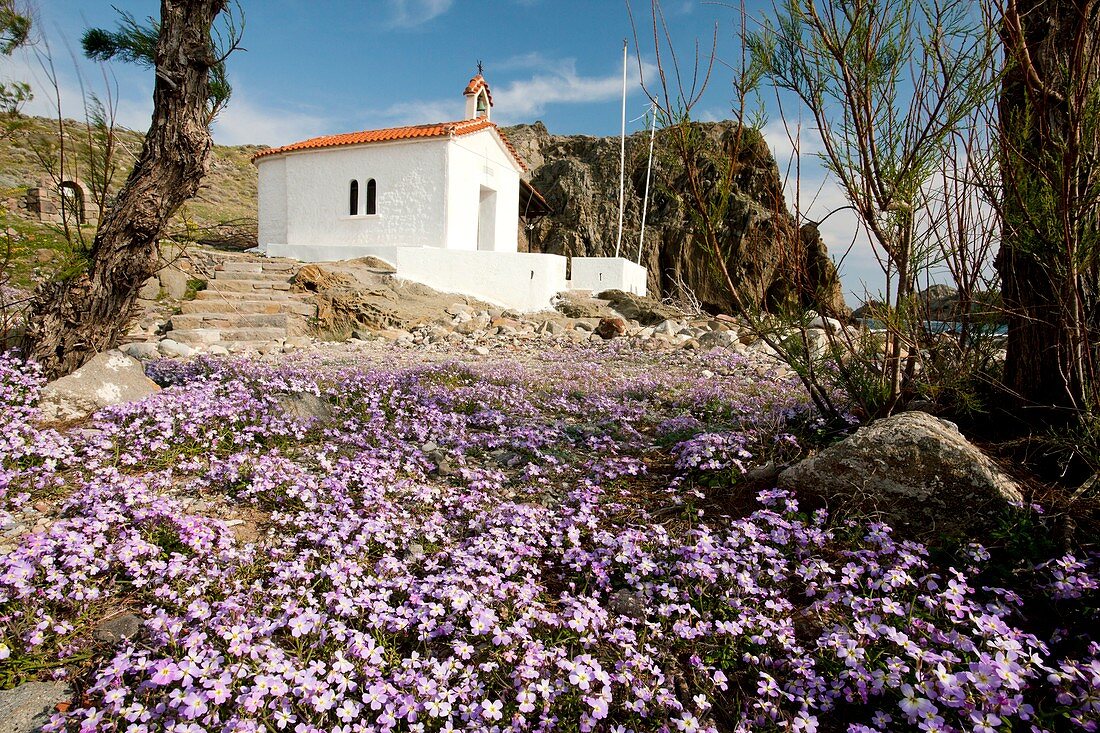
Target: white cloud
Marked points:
783	139
422	113
244	122
411	13
559	83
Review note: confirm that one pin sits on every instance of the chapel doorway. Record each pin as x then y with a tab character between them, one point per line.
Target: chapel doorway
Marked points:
487	220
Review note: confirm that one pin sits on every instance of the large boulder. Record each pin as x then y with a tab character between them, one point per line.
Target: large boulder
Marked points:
365	293
646	311
772	261
914	470
110	378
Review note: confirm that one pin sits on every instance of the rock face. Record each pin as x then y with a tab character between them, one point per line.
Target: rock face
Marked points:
771	261
110	378
365	293
914	469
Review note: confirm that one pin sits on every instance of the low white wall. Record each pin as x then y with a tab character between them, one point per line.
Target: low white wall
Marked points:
519	280
607	273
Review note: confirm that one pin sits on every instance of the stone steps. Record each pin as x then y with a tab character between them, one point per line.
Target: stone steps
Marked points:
208	336
248	303
246	286
233	305
238	296
230	320
223	275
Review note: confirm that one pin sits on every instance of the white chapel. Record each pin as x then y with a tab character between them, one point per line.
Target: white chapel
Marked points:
439	202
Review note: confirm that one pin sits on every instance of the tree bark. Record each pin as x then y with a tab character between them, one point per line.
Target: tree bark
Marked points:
74	319
1049	121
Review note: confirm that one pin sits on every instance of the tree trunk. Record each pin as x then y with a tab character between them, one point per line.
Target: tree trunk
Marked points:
72	320
1049	122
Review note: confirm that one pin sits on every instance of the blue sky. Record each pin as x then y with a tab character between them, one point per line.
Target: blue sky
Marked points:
324	66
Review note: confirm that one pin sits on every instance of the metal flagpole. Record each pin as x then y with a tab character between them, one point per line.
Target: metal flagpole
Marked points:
648	170
622	159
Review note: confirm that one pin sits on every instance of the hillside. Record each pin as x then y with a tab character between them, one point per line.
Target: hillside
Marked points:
225	208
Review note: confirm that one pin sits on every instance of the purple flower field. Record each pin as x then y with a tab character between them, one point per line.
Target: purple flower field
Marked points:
562	542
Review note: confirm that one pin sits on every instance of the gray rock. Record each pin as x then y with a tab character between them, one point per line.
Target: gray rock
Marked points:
174	282
171	347
150	290
142	350
628	603
110	378
218	350
715	339
306	406
116	629
28	707
915	470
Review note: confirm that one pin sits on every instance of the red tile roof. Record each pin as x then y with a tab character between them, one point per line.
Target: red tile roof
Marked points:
441	129
476	85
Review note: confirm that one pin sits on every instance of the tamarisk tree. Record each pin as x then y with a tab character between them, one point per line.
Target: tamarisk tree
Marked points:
73	319
1050	250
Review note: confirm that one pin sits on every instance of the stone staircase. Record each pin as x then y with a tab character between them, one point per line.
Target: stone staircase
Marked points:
248	303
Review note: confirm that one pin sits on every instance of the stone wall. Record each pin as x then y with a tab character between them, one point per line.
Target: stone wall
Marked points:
45	200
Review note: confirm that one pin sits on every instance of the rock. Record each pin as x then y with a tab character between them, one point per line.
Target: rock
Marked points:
116	629
142	350
504	322
306	406
824	323
914	469
394	334
170	347
610	328
645	311
576	305
174	282
472	326
26	708
110	378
716	339
357	294
480	350
218	350
150	290
551	327
629	603
296	342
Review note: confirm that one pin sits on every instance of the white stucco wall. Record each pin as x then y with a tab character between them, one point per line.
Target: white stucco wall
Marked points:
606	273
271	200
411	183
475	161
519	280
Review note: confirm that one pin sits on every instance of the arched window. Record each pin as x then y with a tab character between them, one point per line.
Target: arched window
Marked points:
353	207
371	197
72	202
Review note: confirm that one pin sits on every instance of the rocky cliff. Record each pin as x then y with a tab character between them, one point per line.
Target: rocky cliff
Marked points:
772	261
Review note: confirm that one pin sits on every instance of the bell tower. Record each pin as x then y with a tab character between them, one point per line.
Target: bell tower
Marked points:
479	100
